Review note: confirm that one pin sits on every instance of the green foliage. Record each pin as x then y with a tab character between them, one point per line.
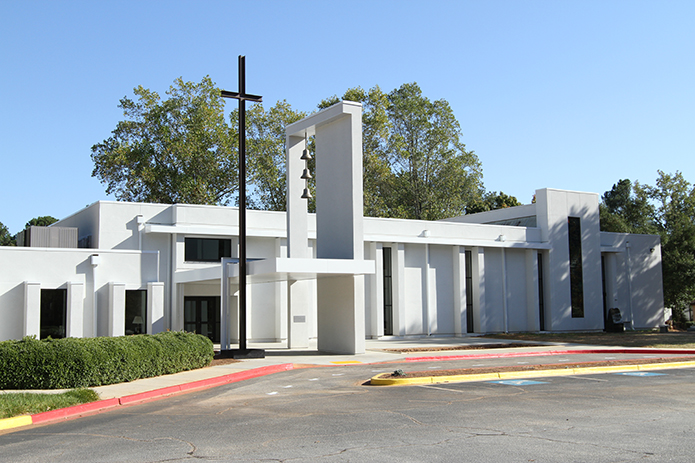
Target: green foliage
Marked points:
178	150
667	209
42	221
625	209
415	165
489	201
27	403
378	179
6	239
86	362
265	153
674	217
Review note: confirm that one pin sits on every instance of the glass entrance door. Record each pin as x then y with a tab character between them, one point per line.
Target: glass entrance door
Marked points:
202	315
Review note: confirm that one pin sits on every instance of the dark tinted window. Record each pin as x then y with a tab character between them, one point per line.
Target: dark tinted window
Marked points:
207	249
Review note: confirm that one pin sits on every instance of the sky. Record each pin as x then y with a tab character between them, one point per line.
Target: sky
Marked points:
564	94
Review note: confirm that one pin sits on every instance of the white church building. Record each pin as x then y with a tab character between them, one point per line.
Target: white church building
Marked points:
117	268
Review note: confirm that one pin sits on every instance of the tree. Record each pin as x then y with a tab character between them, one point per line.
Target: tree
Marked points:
435	176
42	221
177	150
674	217
265	147
667	209
6	239
415	164
625	209
378	178
490	201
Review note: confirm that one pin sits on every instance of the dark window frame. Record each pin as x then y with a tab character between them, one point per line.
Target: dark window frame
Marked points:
51	313
206	249
574	232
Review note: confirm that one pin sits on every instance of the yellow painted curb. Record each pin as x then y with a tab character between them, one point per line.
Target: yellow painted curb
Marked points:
15	422
404	381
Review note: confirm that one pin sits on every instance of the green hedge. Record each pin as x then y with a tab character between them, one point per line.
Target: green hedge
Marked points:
88	362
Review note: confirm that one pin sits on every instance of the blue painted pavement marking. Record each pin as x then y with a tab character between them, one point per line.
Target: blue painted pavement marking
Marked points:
640	373
517	382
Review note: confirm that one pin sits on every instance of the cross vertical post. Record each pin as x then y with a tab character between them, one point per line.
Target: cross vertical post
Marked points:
242	96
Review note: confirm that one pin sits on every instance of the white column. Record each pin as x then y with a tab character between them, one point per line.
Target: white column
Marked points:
533	322
398	279
116	309
297	215
32	309
75	310
155	307
505	296
459	272
478	282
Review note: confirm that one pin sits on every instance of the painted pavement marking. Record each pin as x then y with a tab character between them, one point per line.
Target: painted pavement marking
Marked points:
346	362
518	382
640	373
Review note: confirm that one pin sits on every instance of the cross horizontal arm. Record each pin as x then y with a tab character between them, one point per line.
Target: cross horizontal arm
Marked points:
245	96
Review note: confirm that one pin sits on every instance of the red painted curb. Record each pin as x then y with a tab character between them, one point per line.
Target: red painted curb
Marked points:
551	352
205	383
77	410
73	411
139	397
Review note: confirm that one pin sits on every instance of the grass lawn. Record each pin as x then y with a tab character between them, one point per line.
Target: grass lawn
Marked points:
27	403
673	340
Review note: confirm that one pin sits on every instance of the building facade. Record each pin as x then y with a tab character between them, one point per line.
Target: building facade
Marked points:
118	268
539	267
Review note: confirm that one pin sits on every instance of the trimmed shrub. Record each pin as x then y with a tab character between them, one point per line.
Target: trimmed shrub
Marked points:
88	362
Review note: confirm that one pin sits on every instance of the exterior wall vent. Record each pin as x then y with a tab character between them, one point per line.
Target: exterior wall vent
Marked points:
48	237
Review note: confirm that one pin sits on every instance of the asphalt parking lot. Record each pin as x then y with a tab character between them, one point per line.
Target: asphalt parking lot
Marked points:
327	414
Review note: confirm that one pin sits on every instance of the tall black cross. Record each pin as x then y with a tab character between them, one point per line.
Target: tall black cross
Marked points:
242	96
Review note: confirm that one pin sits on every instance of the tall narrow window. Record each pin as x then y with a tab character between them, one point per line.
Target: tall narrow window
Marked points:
388	292
136	311
603	285
541	305
53	313
576	276
469	293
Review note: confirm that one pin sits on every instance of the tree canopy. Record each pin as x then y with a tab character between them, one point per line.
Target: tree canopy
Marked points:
415	164
666	209
491	200
265	148
6	239
177	150
42	221
181	150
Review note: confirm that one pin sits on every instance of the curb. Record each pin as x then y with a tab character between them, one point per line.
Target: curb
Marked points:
107	404
377	381
551	352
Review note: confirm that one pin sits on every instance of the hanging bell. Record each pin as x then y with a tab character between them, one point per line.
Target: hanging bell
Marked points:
305	155
306	194
306	175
